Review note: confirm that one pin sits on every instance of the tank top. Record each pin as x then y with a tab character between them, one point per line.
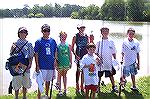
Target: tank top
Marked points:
81	42
63	56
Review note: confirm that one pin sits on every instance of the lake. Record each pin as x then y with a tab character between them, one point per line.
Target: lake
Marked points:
8	35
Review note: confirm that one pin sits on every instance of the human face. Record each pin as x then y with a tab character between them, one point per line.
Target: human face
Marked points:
105	33
46	33
91	50
22	34
63	37
82	29
131	35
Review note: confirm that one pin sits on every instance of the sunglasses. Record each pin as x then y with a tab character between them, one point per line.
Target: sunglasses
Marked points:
24	31
46	30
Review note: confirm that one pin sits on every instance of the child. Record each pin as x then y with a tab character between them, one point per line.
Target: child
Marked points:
105	49
64	61
28	51
130	57
89	65
45	57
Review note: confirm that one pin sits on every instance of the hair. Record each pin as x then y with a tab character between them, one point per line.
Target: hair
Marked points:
104	28
90	45
62	33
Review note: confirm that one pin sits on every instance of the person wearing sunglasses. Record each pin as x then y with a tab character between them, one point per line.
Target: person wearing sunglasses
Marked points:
45	51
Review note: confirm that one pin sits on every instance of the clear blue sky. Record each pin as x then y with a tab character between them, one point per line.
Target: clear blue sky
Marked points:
11	4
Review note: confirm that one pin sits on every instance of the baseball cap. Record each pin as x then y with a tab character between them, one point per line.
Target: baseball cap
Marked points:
23	29
45	27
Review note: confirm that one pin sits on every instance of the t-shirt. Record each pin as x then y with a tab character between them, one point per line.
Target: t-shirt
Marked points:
130	50
90	74
27	50
63	56
106	47
46	49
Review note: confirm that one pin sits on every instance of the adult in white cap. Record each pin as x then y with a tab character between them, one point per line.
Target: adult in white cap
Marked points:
81	41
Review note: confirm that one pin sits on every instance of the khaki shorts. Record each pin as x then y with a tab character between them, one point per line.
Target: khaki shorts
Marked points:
21	81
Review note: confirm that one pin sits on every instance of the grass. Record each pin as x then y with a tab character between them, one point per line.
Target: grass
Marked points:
143	84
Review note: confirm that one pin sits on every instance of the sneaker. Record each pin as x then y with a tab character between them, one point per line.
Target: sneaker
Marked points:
60	93
115	89
134	88
57	86
65	92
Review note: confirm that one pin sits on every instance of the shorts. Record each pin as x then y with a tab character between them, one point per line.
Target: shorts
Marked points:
91	87
21	81
131	69
107	73
48	74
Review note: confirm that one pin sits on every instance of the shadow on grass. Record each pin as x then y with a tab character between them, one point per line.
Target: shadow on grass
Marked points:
133	95
110	95
62	97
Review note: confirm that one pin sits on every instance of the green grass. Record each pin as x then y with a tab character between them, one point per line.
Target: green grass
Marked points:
143	84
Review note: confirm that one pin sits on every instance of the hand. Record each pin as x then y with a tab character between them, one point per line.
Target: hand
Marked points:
77	57
138	66
37	68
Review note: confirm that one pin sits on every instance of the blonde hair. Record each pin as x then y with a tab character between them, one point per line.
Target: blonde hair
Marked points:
62	33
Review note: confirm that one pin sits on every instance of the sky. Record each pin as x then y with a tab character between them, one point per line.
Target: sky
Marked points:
12	4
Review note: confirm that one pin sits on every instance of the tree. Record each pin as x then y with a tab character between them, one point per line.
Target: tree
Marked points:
135	10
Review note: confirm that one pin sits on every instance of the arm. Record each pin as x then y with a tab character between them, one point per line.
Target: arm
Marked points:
70	54
56	59
138	61
36	62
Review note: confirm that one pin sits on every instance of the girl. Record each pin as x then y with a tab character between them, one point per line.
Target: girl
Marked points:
64	61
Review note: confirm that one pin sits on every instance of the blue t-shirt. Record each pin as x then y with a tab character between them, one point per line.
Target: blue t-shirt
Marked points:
46	49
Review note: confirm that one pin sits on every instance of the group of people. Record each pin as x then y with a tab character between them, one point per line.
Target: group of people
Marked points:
92	60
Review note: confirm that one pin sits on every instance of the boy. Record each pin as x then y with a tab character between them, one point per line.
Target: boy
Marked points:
28	51
130	57
89	65
105	49
45	50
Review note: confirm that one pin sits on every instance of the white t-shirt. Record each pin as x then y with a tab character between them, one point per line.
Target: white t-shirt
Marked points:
106	48
130	50
90	77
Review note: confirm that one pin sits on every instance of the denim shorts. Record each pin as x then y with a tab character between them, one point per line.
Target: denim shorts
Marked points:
131	69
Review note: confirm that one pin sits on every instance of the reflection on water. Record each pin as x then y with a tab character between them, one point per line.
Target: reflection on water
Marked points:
8	34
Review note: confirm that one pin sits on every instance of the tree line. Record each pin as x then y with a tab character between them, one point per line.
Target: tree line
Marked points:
112	10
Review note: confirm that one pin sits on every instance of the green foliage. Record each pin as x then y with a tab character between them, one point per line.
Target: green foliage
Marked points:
142	83
39	15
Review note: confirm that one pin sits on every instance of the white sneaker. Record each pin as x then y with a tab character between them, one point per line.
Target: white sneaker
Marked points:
134	88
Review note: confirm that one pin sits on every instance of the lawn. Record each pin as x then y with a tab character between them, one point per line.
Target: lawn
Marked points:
143	84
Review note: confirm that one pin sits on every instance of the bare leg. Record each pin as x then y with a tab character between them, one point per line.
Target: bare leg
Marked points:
82	81
133	79
39	94
59	79
16	94
93	94
65	79
24	92
87	94
112	80
47	87
77	78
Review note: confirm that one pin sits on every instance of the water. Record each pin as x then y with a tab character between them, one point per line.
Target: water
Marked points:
8	34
